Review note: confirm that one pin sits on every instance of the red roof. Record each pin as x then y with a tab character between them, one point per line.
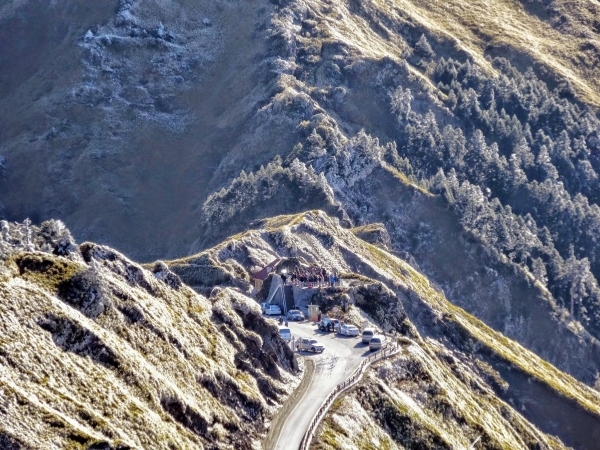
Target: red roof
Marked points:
264	272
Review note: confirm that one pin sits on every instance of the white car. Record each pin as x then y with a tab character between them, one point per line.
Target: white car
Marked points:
377	342
285	333
367	334
310	345
349	330
271	310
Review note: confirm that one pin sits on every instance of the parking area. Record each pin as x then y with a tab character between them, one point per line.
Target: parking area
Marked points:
341	356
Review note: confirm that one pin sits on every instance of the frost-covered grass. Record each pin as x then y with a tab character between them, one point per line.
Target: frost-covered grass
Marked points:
506	348
557	38
122	358
418	401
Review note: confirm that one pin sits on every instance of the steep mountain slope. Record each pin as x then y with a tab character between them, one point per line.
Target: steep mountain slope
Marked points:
98	353
469	130
512	157
127	112
456	379
122	109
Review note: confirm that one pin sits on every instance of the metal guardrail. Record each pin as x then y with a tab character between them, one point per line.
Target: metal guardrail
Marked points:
386	352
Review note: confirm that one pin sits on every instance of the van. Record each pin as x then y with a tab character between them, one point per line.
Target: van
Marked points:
367	334
271	310
376	342
285	333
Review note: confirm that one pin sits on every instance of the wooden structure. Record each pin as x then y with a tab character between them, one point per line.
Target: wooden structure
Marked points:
260	276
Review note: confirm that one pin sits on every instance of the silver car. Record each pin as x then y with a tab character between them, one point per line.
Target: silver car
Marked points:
376	342
271	310
367	334
295	314
310	345
285	333
349	330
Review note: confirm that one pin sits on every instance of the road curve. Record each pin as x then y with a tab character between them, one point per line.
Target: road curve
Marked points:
341	356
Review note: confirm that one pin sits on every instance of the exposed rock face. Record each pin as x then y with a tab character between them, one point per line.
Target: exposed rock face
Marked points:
98	352
375	234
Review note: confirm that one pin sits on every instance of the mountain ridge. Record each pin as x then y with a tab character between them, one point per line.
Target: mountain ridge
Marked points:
468	132
87	302
316	238
97	352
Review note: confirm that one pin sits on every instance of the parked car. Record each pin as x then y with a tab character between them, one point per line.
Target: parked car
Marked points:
376	342
285	333
349	330
367	334
263	306
327	324
271	310
295	314
310	345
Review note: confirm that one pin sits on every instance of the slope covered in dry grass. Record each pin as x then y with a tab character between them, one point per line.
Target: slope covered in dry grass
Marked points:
97	352
559	38
163	102
560	35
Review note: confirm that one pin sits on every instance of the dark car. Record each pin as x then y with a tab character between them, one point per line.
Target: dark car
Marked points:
294	315
327	324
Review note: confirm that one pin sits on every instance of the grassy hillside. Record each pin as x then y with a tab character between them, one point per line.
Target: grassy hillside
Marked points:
560	38
121	132
97	352
166	101
505	143
468	130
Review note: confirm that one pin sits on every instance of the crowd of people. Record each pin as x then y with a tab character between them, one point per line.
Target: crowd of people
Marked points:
313	276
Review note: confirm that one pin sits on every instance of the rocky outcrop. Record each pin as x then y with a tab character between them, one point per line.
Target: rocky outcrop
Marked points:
374	233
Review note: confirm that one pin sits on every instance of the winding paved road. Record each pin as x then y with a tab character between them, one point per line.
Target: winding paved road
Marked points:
341	356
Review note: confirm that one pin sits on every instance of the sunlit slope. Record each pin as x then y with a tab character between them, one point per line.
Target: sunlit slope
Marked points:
96	352
315	237
485	379
563	39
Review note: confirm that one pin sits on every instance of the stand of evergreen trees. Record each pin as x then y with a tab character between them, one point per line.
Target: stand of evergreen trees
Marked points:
520	165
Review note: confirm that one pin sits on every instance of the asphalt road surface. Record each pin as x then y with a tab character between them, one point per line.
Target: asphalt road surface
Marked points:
341	356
